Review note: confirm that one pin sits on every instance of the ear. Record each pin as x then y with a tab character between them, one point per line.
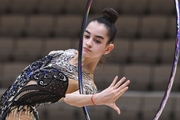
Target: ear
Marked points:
109	48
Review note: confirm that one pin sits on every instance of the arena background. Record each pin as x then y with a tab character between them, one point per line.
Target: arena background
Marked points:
144	50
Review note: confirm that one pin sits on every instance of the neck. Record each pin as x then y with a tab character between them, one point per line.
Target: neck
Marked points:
88	65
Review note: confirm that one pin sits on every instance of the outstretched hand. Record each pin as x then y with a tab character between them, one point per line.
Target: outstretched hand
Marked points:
112	93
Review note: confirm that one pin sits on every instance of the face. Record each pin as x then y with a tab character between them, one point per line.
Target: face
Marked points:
95	41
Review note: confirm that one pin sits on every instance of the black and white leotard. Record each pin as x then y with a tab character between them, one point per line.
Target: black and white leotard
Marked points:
45	81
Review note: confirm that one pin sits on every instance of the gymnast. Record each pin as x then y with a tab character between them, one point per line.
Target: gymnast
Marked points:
54	78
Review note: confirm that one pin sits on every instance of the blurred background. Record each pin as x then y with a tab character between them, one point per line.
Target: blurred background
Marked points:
144	51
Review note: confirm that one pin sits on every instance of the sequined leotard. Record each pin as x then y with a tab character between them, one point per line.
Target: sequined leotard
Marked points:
49	78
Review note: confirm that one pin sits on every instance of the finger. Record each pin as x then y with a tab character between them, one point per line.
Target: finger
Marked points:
123	88
114	81
122	91
116	108
118	111
120	82
124	85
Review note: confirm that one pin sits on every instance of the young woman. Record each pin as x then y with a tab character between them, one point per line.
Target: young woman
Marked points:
54	78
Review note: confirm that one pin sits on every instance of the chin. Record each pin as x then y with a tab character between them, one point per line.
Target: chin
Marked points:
86	55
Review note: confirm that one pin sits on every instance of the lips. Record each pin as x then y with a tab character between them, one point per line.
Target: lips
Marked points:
86	49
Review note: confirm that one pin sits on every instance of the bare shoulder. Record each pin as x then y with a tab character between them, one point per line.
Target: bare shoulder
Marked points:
55	51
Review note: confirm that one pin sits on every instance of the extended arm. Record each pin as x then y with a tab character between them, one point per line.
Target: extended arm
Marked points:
106	97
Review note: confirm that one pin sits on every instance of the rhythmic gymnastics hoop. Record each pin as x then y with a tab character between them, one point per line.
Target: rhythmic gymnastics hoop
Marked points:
174	65
84	22
173	70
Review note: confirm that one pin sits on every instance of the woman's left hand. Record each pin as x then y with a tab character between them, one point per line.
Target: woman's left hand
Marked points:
112	93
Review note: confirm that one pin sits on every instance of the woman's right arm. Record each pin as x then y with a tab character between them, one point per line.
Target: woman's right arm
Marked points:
106	97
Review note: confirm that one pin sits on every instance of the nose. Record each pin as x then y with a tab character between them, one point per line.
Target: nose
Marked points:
89	43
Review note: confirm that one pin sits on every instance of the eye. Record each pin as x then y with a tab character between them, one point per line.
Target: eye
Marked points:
86	36
97	41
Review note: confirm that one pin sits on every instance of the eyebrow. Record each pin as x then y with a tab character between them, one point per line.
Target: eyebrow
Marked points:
96	35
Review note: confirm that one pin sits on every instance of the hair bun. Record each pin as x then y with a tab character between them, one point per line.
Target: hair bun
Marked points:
110	14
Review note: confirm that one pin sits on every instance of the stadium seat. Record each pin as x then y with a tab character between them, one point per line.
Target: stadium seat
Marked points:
24	6
68	26
11	71
161	75
127	26
6	48
121	51
134	7
177	108
105	75
71	7
98	6
2	90
51	44
12	25
57	111
151	105
178	76
95	112
1	72
50	6
153	26
129	104
145	51
75	43
172	28
4	6
43	113
140	76
167	51
160	7
40	25
28	49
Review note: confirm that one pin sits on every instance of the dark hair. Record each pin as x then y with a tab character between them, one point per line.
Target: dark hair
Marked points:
109	18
